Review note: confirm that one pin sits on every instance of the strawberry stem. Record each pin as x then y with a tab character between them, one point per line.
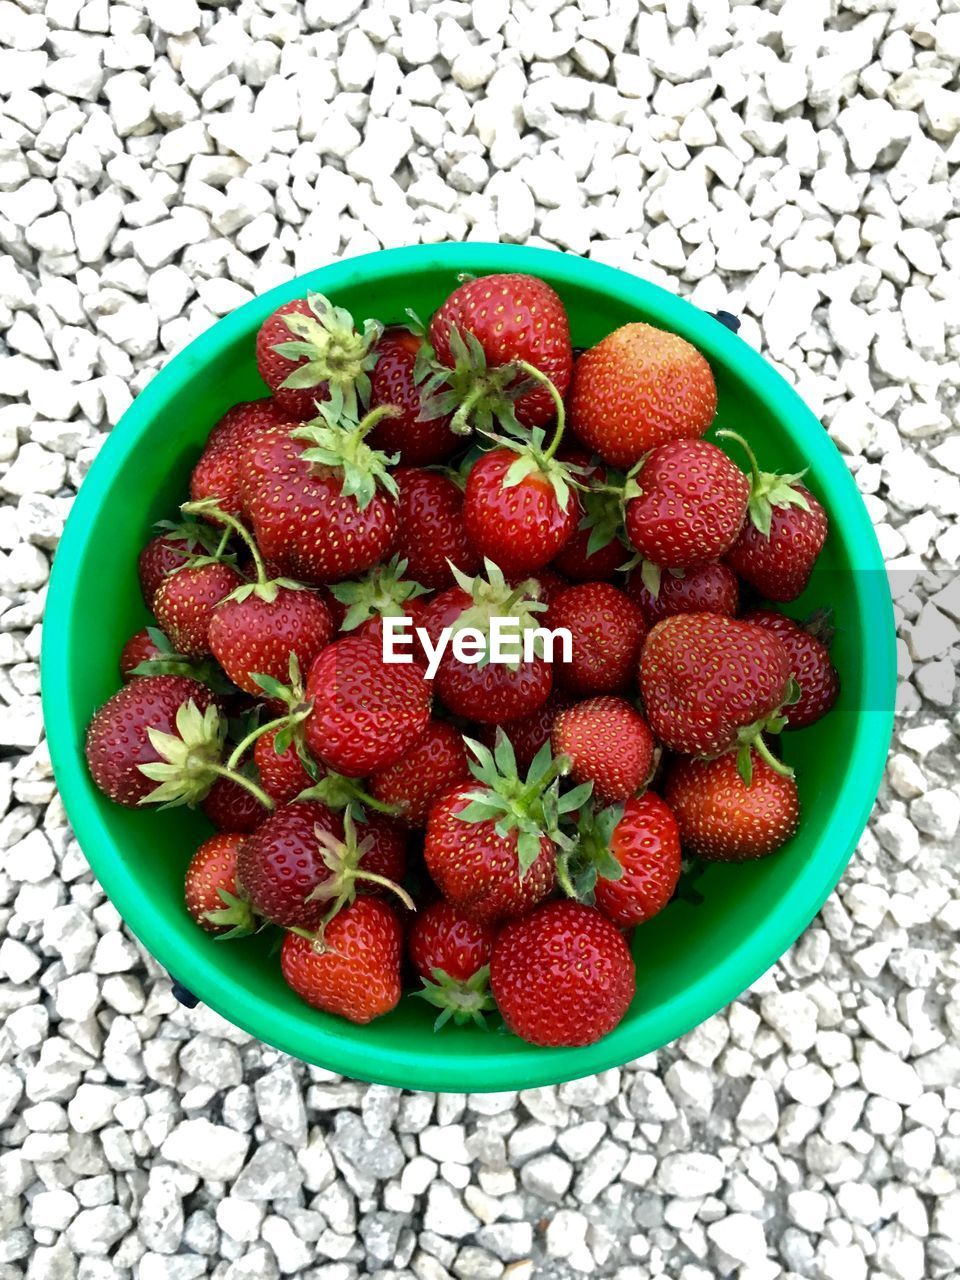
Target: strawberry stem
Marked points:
224	771
755	478
294	718
538	376
763	751
208	507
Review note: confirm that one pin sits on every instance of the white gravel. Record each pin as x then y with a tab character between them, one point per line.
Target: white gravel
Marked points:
794	163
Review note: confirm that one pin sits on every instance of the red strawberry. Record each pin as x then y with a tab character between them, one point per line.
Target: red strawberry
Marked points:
606	630
721	818
709	588
366	714
810	666
483	327
256	629
119	741
491	844
231	807
562	975
432	533
282	774
637	389
519	509
309	350
596	549
141	647
528	734
451	952
433	764
627	860
608	743
780	541
170	551
210	887
185	603
355	971
217	473
415	441
685	504
325	511
711	684
495	691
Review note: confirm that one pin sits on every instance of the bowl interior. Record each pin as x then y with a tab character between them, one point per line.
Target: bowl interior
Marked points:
692	959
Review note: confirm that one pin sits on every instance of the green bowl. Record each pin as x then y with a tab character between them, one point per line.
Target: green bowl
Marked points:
692	959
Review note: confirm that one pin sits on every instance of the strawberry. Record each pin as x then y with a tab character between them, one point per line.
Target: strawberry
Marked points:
282	774
451	952
492	337
432	536
171	550
722	818
210	888
231	807
354	971
130	732
415	441
684	504
433	764
185	602
810	666
608	743
711	684
366	714
528	734
217	473
627	860
141	647
596	548
637	389
309	350
562	975
489	692
783	535
491	844
325	511
606	630
709	588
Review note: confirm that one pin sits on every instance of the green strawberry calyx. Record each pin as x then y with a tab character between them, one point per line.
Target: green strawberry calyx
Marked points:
493	597
768	489
591	856
339	792
750	738
461	1001
237	914
535	460
264	588
337	356
382	592
169	663
533	807
343	858
337	439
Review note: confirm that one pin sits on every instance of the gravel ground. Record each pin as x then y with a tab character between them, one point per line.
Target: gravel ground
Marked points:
160	163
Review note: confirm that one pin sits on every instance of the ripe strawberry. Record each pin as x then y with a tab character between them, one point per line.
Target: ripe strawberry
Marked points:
210	888
217	473
596	548
366	714
483	328
325	511
415	441
282	774
709	588
491	844
721	818
309	350
562	975
637	389
810	666
355	971
122	738
141	647
711	684
528	734
257	628
489	692
783	535
231	807
432	536
451	952
627	861
171	550
519	509
186	600
606	630
608	743
685	504
433	764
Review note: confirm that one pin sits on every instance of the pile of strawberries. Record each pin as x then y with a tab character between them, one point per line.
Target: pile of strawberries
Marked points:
491	833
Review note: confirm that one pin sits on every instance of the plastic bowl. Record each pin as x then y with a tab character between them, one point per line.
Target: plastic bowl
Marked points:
692	959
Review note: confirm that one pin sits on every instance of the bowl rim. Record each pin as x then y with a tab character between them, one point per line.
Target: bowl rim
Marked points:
345	1050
